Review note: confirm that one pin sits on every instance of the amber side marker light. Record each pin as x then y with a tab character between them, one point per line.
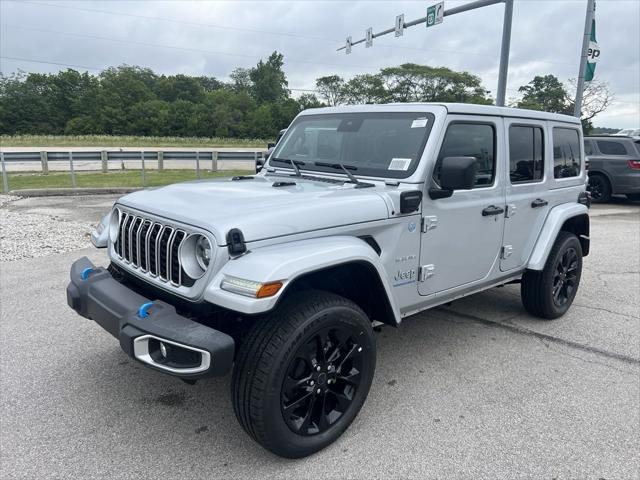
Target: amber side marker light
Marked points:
268	289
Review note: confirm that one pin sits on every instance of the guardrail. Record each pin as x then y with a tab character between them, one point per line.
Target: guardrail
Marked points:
104	160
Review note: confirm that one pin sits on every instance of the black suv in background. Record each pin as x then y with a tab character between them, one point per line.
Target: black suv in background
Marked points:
614	166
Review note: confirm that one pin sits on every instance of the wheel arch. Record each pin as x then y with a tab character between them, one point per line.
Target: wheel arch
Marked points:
345	265
357	281
574	218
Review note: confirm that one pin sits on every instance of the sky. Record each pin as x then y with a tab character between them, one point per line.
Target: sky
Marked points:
214	37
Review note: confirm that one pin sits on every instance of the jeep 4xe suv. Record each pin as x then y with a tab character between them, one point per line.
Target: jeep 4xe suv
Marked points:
368	214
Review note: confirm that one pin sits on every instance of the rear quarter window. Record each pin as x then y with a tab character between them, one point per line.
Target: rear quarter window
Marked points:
609	147
566	152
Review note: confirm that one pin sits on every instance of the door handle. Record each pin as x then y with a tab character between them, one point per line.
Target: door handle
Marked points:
492	210
539	202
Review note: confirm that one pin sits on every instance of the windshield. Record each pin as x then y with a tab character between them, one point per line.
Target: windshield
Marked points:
384	144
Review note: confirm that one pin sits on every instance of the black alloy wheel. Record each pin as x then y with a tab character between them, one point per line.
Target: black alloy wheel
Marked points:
549	293
564	280
322	380
303	372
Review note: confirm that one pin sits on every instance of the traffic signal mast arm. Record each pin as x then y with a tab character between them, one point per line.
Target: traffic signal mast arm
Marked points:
451	11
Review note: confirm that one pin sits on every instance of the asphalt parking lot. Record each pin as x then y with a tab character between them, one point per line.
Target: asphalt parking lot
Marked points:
475	390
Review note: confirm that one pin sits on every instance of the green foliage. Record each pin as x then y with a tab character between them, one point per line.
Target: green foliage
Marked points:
130	100
406	83
269	83
256	103
547	94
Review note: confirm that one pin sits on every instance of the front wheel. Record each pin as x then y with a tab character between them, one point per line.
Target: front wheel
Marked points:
303	373
550	292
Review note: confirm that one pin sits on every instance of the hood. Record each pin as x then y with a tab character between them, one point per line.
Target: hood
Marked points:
258	208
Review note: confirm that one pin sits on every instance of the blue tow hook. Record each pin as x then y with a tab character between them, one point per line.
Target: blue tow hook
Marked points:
85	273
143	311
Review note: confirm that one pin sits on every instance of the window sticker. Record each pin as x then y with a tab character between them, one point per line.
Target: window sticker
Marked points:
399	164
419	123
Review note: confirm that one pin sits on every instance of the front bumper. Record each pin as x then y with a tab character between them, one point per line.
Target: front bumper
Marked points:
147	334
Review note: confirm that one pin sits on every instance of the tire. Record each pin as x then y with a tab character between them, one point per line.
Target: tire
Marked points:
634	197
539	288
276	379
600	188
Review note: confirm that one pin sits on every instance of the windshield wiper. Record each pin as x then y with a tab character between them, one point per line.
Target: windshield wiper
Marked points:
294	164
345	169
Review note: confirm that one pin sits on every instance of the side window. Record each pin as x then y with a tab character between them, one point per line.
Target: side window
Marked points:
566	152
608	147
470	140
526	154
588	149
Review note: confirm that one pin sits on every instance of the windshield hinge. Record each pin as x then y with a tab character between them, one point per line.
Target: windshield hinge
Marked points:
429	223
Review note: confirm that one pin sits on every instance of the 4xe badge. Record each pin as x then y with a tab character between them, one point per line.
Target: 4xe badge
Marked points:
412	226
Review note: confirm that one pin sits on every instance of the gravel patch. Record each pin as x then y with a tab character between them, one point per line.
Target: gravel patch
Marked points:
7	199
31	235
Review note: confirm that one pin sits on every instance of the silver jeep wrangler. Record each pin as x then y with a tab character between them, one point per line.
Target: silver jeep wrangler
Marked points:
362	216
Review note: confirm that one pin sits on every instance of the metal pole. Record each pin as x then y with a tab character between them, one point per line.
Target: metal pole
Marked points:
144	176
5	179
504	53
198	163
588	20
73	173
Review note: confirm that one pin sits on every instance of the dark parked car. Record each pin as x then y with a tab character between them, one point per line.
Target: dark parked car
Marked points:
270	147
614	167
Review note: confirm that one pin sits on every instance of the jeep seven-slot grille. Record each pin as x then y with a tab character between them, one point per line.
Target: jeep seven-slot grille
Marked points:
152	248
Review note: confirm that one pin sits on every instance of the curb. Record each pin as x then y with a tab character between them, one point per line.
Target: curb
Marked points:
64	192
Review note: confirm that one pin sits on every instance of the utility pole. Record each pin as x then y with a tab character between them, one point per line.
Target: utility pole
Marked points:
435	16
588	22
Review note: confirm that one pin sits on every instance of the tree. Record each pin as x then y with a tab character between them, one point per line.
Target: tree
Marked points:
421	83
545	93
240	80
331	89
596	97
309	100
179	87
269	82
365	88
549	94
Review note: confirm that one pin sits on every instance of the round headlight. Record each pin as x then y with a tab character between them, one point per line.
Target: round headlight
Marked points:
195	255
114	225
203	252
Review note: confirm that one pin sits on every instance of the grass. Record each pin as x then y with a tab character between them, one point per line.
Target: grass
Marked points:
125	141
20	181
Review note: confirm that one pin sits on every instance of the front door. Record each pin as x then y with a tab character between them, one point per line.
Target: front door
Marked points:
526	189
462	234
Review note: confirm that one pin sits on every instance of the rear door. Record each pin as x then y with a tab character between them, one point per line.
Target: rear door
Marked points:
526	190
462	234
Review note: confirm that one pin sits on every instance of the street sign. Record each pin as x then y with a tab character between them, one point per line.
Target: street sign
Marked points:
399	25
369	37
435	14
348	46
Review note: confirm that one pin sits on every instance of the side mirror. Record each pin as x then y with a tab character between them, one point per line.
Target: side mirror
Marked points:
270	145
456	173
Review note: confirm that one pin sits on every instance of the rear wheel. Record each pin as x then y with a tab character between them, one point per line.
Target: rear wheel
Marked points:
549	293
303	373
600	188
633	196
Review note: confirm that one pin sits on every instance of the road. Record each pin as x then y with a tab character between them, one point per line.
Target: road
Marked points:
475	390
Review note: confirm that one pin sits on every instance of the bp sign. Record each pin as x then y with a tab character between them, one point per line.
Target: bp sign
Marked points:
435	14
